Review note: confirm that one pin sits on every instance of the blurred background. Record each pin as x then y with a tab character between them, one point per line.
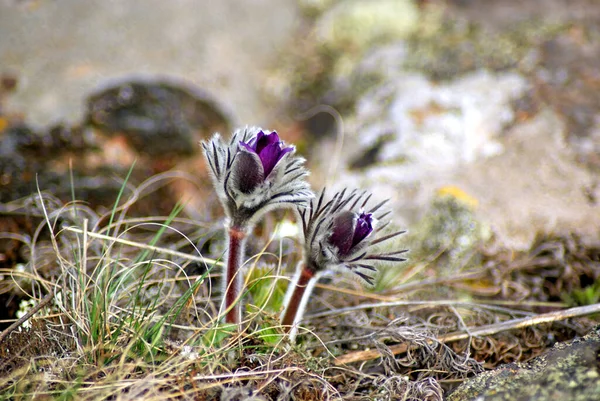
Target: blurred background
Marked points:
493	108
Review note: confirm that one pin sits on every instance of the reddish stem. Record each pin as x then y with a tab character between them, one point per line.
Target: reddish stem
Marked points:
294	302
233	276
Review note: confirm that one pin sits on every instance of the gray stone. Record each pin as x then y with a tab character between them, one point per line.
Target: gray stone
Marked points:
569	371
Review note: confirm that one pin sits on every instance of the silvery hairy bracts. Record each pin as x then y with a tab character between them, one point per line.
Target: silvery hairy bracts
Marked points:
343	233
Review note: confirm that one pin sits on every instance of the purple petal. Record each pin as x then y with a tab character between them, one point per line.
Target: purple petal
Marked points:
269	156
342	235
284	151
263	141
268	148
364	227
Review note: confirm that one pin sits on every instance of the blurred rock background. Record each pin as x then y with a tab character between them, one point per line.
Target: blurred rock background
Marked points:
493	106
62	51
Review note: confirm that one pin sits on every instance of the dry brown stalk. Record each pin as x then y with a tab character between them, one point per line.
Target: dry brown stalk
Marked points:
140	245
361	356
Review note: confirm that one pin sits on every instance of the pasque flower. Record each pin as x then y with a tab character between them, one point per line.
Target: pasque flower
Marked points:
253	173
338	235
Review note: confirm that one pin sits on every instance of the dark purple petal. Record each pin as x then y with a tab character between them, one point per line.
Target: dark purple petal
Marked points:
342	233
269	156
253	142
248	172
364	227
263	141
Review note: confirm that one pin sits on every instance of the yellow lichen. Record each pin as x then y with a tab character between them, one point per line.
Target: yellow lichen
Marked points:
458	194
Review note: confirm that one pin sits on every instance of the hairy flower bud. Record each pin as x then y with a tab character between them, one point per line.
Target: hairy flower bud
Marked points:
340	232
255	172
349	230
252	174
337	234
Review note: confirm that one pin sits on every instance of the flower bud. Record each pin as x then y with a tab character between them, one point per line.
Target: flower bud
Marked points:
349	230
339	233
254	173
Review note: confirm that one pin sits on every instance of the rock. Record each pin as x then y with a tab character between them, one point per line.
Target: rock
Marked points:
29	158
425	127
157	116
352	28
410	136
569	371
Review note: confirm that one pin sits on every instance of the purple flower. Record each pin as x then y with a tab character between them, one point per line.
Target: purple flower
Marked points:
255	172
349	230
269	149
339	233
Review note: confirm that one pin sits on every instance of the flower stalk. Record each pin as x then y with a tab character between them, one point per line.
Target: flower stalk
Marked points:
302	284
233	277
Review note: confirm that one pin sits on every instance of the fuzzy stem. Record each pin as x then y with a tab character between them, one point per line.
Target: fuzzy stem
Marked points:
233	275
297	298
